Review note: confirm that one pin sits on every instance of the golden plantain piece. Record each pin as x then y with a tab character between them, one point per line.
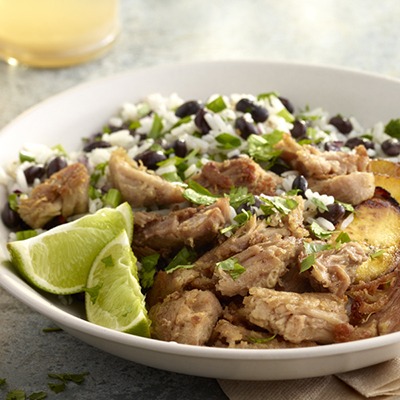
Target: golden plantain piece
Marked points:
384	167
376	225
387	176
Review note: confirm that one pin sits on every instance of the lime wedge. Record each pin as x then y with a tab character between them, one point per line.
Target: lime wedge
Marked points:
58	261
113	297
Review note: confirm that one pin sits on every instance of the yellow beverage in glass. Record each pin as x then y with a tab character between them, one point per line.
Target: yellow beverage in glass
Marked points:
56	33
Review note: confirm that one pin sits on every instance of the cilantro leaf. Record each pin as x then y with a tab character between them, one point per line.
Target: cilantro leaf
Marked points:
343	237
261	340
282	205
198	194
217	105
377	254
232	267
16	394
148	270
307	262
37	396
320	232
228	141
261	148
156	127
392	128
57	387
240	195
183	259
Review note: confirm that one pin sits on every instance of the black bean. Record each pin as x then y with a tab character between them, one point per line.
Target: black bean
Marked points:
34	172
300	183
180	148
343	125
391	147
299	130
287	104
336	145
150	158
10	217
245	127
357	141
334	214
189	108
98	144
258	113
55	165
201	123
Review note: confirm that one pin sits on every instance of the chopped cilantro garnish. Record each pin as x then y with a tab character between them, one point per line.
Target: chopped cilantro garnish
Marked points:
57	387
198	194
392	128
13	201
23	156
148	270
320	232
377	254
261	340
240	219
184	120
348	207
232	267
183	259
319	204
343	237
240	195
310	248
76	378
282	205
112	198
286	115
134	125
156	128
217	105
16	394
307	262
227	141
261	148
37	396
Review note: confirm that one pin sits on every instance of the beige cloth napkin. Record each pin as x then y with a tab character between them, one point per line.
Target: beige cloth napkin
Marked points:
379	382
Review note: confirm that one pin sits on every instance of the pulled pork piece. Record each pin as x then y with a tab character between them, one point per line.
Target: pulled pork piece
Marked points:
316	164
335	269
374	308
202	276
226	334
264	264
296	317
221	177
353	188
138	185
192	226
64	193
185	317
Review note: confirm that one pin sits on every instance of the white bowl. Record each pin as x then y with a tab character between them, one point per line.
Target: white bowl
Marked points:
83	110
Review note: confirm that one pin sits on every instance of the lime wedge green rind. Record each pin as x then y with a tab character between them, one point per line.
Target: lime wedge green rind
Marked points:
113	295
58	261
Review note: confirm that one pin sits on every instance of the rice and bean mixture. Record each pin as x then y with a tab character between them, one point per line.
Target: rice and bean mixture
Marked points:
175	138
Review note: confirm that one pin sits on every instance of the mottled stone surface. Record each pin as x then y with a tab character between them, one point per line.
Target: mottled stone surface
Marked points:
360	34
